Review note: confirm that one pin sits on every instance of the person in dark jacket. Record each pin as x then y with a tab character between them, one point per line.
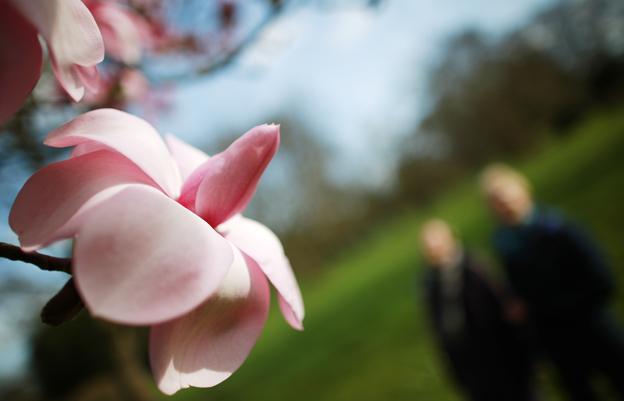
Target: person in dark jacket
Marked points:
483	352
564	282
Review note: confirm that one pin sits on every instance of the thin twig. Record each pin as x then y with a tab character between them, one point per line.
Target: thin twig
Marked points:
44	262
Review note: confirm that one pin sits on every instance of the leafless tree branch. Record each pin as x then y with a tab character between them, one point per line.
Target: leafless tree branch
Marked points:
44	262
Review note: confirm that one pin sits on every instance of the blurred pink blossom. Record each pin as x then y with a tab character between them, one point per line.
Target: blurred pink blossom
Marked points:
125	32
74	44
159	240
125	86
134	85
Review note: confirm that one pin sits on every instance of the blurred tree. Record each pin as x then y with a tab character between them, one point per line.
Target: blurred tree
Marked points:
493	98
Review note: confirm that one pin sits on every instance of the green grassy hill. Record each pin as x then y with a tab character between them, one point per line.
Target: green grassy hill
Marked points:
366	336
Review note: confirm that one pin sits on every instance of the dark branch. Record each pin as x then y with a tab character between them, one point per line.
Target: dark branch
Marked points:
64	306
44	262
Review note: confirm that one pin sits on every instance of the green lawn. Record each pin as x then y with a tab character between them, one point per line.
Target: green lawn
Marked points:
366	336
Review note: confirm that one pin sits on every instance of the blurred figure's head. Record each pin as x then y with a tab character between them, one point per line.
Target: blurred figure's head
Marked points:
507	192
438	243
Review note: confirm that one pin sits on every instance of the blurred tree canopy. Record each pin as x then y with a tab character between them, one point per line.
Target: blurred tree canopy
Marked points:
495	98
499	98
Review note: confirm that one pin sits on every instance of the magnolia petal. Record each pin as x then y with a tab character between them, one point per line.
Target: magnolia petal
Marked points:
225	183
261	244
90	147
122	37
89	76
206	346
71	34
289	313
186	156
131	136
71	79
20	58
140	258
55	193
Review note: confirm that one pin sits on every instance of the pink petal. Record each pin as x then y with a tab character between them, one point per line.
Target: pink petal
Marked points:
261	244
295	321
90	77
122	37
141	258
72	36
186	156
205	347
129	135
89	147
223	185
55	193
133	84
18	74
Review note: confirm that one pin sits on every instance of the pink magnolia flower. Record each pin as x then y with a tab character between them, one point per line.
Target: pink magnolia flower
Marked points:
159	240
74	44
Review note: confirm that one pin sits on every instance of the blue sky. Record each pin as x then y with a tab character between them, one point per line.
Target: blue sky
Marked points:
355	76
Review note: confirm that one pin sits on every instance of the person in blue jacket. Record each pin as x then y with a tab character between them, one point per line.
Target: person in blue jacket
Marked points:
484	353
563	281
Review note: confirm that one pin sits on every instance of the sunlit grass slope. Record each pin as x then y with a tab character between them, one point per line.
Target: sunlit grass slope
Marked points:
366	335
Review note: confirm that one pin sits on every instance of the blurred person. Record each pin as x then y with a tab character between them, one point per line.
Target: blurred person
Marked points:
484	354
561	276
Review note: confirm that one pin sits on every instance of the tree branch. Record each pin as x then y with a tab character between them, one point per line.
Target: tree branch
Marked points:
226	59
44	262
64	306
